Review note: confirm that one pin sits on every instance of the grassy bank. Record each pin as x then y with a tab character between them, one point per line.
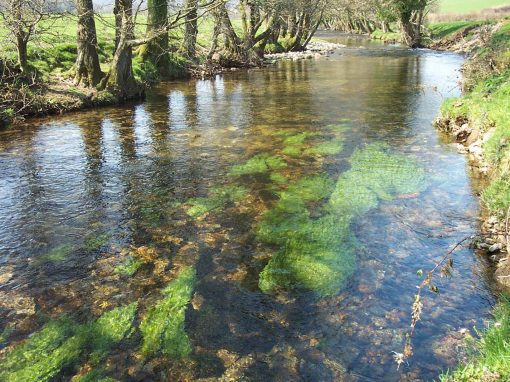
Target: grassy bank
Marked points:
490	355
480	120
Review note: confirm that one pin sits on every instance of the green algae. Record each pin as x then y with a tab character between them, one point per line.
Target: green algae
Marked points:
278	177
310	188
94	241
319	254
376	174
298	139
43	355
111	328
292	150
163	326
61	343
95	375
259	164
332	147
58	254
338	128
129	267
218	198
294	144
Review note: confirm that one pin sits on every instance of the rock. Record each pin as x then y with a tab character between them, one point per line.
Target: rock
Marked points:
216	57
495	248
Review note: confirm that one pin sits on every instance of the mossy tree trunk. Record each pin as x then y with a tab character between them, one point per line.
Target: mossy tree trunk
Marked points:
120	79
156	51
88	70
191	28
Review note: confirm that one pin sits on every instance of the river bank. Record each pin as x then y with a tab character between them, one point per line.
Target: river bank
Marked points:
478	122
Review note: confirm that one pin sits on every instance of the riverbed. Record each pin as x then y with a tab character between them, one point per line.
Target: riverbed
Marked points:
264	225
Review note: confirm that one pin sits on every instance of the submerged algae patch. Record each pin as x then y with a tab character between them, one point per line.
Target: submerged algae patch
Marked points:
319	254
218	198
129	267
61	343
376	174
259	164
332	147
163	326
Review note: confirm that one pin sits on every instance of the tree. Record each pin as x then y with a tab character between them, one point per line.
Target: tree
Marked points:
156	50
191	28
88	70
410	15
23	18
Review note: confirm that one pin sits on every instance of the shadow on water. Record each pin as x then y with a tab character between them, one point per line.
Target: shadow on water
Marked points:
105	208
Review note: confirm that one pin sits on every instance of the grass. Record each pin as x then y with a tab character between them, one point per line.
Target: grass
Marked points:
490	357
444	29
485	106
468	6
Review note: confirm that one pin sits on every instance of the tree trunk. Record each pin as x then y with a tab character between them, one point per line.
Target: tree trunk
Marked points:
19	34
120	79
156	51
191	29
88	69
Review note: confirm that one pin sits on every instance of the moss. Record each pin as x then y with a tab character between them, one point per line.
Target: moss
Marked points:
259	164
218	198
298	139
331	147
375	174
61	343
130	267
163	325
294	144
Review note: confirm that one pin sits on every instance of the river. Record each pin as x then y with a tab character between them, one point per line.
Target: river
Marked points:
293	205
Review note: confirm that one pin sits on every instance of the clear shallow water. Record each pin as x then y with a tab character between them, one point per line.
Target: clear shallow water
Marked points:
99	210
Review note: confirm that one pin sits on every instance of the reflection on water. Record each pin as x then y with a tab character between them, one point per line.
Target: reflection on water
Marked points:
305	258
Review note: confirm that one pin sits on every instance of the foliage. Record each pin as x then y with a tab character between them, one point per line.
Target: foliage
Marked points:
163	325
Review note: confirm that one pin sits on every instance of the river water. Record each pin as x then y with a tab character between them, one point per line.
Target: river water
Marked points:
265	225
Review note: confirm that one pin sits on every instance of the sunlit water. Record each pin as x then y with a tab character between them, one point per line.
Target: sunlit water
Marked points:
83	194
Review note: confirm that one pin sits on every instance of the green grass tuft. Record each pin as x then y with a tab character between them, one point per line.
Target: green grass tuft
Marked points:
490	360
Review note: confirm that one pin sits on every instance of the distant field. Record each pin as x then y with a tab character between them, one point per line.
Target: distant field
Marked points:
468	6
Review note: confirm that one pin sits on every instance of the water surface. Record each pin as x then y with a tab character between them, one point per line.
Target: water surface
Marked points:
105	209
